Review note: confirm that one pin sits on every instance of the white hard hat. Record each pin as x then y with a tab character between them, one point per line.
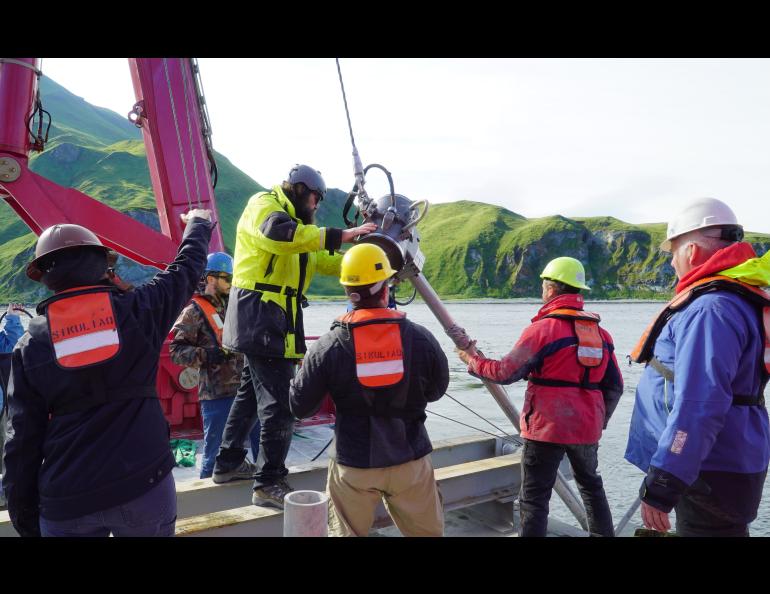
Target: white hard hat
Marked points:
702	213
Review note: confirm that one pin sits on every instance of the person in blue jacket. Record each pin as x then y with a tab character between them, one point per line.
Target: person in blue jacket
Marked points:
87	451
699	426
9	335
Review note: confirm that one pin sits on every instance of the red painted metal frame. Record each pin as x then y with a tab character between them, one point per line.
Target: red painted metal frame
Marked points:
17	92
173	138
41	203
179	170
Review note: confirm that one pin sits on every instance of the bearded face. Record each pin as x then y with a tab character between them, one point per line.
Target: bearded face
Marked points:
307	206
306	209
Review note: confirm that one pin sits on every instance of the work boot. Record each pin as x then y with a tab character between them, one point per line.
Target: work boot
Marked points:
271	495
244	472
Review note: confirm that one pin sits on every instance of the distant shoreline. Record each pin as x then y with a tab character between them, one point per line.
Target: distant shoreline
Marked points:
476	300
495	300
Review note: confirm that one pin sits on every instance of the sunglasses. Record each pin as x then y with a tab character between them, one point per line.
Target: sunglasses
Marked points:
226	277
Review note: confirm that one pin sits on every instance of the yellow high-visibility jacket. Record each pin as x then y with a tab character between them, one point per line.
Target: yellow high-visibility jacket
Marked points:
276	256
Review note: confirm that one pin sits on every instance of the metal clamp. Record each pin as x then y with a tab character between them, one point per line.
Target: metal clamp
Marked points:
136	115
418	216
10	170
39	73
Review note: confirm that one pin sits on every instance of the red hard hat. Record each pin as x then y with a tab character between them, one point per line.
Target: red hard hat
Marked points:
60	237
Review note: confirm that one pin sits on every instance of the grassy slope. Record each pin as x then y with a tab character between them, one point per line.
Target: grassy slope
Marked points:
472	249
493	252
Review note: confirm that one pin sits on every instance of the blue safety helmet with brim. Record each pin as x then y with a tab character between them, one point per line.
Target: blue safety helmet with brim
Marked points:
304	174
219	262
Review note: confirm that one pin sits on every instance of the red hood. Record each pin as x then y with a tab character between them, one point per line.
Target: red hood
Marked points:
725	258
570	300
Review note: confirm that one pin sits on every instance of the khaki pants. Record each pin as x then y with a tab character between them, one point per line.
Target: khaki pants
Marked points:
410	492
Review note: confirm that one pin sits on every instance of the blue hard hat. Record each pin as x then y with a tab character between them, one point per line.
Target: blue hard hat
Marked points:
219	262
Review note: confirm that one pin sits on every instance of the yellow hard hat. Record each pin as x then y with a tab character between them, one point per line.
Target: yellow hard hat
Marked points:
566	270
365	264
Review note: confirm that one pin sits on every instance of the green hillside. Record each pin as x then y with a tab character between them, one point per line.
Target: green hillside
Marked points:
472	249
77	121
478	250
101	154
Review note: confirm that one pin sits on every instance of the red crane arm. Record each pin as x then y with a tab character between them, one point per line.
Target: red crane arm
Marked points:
177	152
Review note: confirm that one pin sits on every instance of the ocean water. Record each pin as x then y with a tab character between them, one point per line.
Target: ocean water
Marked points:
497	324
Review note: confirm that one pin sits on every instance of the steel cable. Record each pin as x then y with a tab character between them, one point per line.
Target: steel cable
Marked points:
186	87
478	415
178	135
345	99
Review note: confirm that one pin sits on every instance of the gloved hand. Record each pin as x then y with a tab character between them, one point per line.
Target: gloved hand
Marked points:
216	355
15	309
201	213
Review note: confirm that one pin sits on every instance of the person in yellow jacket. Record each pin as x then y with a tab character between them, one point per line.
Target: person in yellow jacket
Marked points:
278	249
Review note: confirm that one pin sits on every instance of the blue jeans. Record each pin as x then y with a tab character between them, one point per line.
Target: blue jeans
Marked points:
215	413
151	514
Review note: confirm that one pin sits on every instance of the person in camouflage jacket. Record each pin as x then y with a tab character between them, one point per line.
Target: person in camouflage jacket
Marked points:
197	343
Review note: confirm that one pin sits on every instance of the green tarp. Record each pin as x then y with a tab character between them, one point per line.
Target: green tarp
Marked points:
184	451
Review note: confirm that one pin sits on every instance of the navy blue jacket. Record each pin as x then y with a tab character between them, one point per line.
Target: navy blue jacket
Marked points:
70	465
372	441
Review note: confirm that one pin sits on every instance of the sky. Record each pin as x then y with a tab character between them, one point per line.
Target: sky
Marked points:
636	139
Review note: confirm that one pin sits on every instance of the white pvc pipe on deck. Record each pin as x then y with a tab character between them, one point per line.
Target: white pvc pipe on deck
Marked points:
305	513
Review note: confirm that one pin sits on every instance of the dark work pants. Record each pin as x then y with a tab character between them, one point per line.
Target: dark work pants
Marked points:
268	402
241	420
151	514
539	466
723	504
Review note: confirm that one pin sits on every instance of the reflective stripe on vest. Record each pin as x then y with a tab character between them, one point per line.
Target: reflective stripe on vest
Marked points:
212	316
83	329
377	341
590	350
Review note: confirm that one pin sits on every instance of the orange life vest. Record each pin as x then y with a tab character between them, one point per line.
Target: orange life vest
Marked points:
590	350
376	335
82	327
212	316
643	351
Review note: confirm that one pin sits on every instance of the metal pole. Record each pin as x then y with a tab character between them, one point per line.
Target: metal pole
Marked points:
629	514
18	85
562	488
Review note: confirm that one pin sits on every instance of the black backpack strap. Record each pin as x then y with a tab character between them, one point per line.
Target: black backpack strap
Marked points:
553	383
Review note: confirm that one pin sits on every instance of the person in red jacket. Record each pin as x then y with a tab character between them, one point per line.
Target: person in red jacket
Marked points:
574	387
